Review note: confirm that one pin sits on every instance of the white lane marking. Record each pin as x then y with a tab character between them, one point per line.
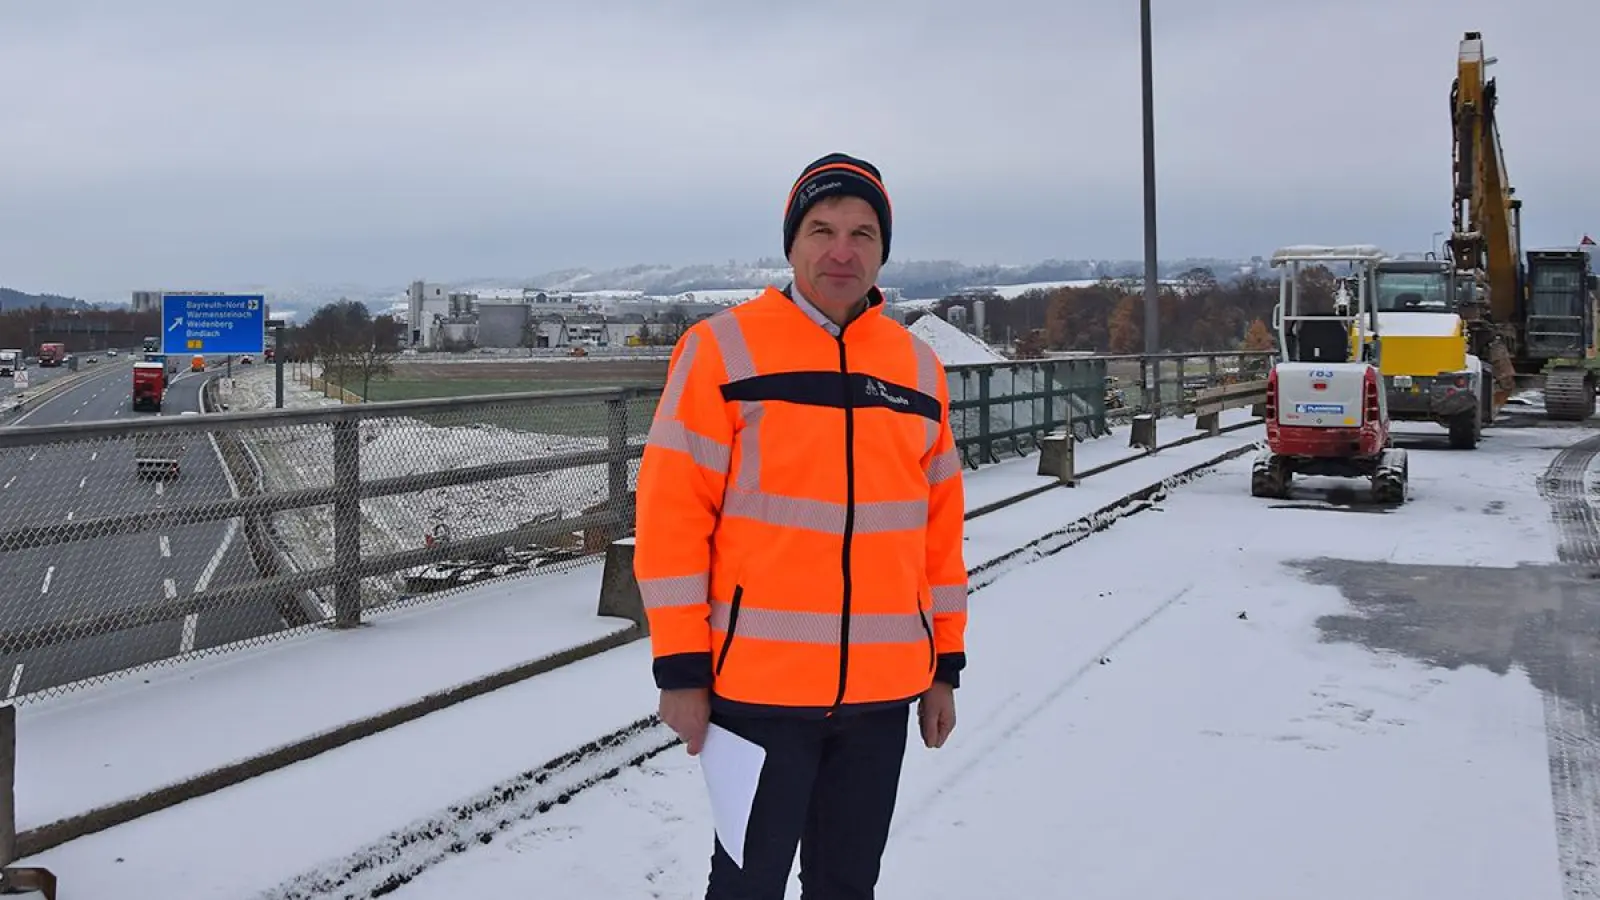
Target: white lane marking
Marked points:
16	681
166	547
94	456
10	481
48	574
160	486
83	481
171	588
210	570
32	455
191	623
70	516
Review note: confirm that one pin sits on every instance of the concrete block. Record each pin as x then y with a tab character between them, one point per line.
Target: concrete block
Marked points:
1143	432
1057	458
619	589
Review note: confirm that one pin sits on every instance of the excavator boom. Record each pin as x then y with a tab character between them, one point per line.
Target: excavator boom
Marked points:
1486	238
1531	315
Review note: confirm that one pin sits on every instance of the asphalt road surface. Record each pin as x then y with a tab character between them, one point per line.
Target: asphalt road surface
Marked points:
39	376
66	482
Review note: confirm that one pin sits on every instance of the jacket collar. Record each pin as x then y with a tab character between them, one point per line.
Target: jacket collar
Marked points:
874	306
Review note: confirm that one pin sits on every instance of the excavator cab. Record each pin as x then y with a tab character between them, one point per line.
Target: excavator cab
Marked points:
1560	305
1561	330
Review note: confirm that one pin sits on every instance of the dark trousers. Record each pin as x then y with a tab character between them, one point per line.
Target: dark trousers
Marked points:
828	787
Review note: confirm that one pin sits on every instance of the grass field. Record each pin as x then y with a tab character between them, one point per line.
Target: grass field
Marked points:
426	387
419	381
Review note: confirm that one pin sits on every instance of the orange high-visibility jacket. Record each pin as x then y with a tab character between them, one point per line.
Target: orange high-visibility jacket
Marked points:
800	514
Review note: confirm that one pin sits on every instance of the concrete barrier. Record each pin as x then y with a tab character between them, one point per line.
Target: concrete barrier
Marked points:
1143	432
1057	458
619	589
1209	403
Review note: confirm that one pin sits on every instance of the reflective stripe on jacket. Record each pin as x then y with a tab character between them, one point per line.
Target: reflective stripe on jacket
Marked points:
800	513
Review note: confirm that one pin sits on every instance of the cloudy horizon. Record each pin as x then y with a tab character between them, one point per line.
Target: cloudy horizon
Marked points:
178	144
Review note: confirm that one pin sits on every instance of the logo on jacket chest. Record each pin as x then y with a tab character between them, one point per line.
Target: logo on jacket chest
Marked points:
876	388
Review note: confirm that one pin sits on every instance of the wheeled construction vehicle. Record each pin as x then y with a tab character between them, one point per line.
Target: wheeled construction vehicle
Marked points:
1326	409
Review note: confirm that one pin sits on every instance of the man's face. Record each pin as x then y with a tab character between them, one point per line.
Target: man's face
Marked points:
837	253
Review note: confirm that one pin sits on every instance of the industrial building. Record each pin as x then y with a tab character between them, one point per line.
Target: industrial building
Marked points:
440	319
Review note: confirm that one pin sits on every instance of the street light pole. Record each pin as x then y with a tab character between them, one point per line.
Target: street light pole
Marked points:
277	361
1152	308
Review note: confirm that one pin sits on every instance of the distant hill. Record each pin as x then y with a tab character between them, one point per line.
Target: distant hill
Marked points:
13	299
916	280
930	279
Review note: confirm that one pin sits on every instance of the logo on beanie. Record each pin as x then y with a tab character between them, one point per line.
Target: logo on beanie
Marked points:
814	188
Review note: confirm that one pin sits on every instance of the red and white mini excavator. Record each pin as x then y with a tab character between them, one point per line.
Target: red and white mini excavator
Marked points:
1326	410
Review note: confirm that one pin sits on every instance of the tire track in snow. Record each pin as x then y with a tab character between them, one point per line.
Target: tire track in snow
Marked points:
399	857
1572	729
983	754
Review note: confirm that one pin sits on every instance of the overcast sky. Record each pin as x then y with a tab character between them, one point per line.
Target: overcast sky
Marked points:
198	144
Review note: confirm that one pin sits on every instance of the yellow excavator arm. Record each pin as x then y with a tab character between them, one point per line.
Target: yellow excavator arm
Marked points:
1486	238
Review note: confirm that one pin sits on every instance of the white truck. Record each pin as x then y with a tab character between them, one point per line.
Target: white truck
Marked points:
11	362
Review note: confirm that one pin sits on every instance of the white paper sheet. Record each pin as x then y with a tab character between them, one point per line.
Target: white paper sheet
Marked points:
732	766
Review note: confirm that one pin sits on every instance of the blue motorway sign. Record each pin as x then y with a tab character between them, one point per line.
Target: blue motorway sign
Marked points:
221	324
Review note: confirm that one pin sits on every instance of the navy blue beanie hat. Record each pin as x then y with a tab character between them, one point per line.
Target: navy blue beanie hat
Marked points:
837	175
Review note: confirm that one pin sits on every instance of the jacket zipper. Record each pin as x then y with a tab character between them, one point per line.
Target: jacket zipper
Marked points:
933	655
849	519
733	622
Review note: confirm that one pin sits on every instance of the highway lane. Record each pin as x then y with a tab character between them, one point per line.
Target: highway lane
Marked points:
60	484
39	376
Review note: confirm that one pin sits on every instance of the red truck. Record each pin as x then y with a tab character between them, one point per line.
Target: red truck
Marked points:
149	385
52	355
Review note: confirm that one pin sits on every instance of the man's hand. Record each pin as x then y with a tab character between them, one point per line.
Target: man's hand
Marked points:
936	713
688	712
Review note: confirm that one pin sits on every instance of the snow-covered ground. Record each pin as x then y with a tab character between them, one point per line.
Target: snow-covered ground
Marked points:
1182	729
1201	702
401	654
64	771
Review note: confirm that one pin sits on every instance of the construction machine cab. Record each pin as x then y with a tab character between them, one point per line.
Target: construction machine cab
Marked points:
1560	320
1415	285
1348	332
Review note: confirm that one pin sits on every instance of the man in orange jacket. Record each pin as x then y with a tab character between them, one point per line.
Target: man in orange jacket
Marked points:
799	544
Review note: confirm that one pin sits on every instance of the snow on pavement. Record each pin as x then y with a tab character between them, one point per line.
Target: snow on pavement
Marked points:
1262	760
1125	732
68	756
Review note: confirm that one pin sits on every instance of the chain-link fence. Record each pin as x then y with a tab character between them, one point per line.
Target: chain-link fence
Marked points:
128	543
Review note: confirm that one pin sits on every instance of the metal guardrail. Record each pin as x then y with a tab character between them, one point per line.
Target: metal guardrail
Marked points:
1004	409
251	526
